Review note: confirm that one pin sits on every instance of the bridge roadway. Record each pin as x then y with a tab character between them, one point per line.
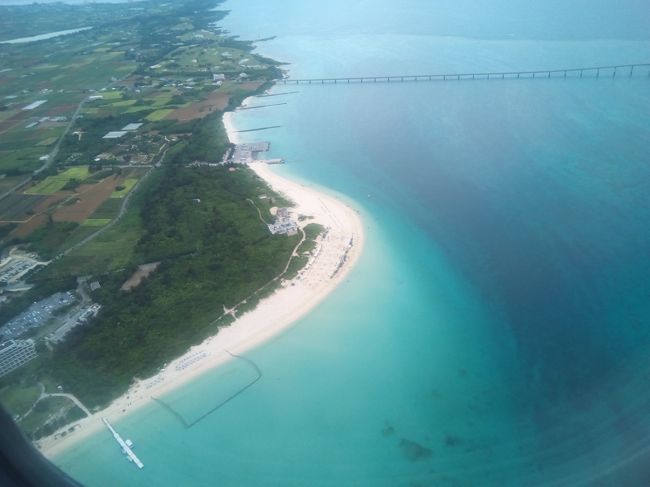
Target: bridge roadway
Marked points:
628	70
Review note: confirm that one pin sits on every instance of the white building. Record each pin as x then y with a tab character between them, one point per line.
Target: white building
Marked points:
218	77
15	353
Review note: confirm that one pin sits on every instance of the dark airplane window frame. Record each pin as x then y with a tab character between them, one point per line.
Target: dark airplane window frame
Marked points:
21	464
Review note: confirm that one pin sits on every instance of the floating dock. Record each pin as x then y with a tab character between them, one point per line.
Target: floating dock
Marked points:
125	445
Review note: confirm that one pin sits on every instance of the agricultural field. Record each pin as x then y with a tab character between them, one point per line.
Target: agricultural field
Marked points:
19	207
155	70
34	212
108	210
96	222
21	161
48	186
7	183
87	200
158	115
54	184
124	188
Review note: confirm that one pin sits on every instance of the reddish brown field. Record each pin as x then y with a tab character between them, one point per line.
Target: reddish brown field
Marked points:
39	218
30	225
52	200
88	200
216	101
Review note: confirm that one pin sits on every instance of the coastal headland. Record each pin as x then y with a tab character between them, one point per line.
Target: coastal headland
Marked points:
337	250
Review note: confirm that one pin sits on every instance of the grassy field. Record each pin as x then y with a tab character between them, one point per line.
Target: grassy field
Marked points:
22	160
96	222
48	415
158	115
77	172
49	185
18	398
108	209
52	184
123	103
127	186
111	95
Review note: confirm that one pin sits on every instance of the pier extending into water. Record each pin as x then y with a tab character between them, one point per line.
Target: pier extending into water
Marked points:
125	445
613	71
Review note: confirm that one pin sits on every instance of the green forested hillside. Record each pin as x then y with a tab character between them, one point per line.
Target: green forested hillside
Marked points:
213	253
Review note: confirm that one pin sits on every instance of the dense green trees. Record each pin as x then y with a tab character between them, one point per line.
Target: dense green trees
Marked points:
214	251
208	142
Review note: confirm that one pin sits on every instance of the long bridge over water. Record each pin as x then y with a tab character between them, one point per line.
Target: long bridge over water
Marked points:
613	71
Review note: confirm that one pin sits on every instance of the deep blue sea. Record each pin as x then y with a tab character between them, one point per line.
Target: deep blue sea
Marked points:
496	330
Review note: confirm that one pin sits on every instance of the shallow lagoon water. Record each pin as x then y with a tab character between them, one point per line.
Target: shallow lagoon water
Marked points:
495	331
43	37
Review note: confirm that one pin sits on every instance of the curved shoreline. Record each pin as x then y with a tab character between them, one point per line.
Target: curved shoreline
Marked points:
338	251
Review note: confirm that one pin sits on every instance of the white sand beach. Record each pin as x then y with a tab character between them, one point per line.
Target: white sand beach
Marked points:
333	258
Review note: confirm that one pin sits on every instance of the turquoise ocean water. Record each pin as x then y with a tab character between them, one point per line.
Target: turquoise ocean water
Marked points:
496	330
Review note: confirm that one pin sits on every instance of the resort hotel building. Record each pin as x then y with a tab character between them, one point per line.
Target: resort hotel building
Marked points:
14	353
